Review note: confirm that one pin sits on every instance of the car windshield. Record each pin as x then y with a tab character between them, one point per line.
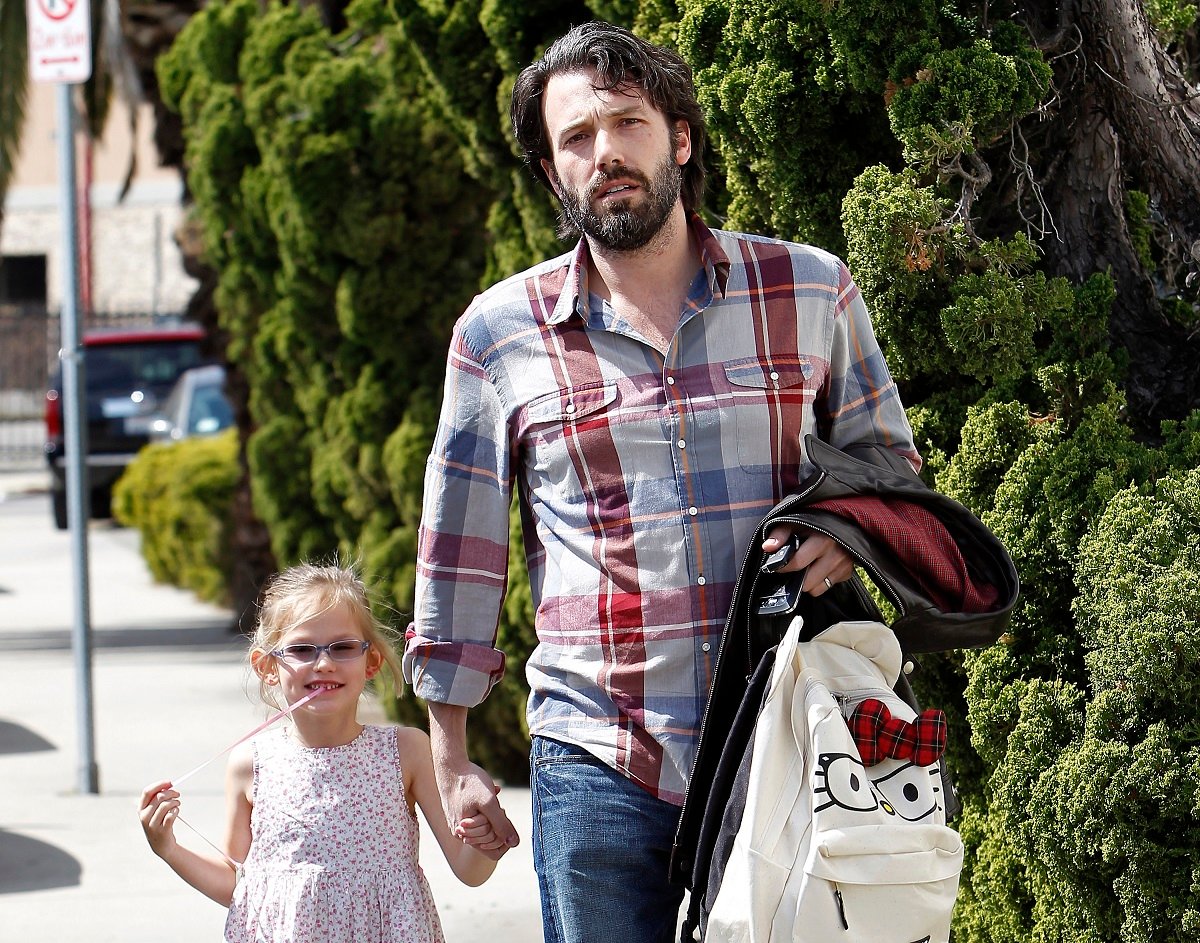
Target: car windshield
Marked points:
210	410
149	365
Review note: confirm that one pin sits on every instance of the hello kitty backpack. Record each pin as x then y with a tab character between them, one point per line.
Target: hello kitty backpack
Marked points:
842	835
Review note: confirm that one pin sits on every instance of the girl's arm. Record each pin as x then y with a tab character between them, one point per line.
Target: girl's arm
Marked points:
239	801
210	874
470	866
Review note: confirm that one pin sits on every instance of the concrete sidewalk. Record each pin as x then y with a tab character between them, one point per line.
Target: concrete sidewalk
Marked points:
23	480
169	691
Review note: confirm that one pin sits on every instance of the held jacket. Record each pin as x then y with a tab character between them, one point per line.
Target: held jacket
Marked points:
949	579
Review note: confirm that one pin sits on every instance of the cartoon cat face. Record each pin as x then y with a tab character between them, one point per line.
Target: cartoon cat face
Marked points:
897	787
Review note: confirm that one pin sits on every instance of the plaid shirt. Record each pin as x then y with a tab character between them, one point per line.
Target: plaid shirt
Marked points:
641	480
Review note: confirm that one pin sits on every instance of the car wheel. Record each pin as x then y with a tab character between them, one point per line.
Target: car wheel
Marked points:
101	503
59	501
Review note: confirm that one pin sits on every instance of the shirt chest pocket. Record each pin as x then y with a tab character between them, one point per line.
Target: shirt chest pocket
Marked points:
569	447
570	406
772	408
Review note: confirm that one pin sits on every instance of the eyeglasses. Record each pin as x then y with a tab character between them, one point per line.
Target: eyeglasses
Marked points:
303	653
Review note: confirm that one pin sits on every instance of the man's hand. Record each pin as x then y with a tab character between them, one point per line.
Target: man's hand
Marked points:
468	793
826	561
473	811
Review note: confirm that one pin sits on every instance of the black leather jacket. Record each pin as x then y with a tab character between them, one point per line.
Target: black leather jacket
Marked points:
921	624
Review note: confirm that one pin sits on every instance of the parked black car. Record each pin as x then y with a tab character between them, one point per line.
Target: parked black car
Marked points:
128	372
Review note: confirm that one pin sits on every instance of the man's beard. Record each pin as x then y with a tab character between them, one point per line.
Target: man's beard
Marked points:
625	226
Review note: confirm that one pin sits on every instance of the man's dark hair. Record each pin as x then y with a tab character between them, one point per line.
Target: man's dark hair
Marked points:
620	60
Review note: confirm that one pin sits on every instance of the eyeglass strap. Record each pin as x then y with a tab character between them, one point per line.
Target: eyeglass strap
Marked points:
236	865
263	726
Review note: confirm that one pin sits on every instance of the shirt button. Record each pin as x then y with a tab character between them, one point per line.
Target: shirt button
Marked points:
774	375
570	407
670	381
705	647
692	511
683	443
701	580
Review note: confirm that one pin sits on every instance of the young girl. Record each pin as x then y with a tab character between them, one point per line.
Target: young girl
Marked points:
320	812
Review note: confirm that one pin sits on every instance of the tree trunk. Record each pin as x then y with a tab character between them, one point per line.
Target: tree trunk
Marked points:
1125	122
1153	107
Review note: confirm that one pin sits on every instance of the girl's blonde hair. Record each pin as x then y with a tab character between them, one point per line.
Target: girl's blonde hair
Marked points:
299	593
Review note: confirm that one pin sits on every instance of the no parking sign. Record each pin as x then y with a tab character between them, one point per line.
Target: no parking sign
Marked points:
60	40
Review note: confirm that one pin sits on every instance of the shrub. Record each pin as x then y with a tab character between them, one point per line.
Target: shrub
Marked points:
178	496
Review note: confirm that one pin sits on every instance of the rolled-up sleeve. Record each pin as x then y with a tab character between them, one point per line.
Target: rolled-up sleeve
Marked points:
462	548
451	672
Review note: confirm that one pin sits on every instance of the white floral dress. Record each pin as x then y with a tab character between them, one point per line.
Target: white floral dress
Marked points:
333	853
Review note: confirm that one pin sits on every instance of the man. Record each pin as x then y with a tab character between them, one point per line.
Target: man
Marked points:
647	395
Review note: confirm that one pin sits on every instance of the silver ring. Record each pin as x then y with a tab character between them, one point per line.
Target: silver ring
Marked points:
828	585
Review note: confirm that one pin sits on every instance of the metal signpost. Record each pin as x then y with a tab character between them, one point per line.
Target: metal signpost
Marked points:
60	53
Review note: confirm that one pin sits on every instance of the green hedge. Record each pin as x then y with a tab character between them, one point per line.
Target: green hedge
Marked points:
178	496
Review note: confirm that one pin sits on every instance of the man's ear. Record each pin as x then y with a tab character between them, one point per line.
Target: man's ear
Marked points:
682	139
263	664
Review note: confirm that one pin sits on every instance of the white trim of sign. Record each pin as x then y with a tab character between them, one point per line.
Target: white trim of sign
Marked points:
60	40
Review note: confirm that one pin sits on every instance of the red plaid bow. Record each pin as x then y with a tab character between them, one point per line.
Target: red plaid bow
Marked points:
879	735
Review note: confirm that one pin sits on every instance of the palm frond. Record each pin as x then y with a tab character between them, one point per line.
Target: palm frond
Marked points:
14	82
114	72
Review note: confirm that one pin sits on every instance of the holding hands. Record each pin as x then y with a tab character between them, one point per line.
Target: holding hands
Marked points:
473	811
466	791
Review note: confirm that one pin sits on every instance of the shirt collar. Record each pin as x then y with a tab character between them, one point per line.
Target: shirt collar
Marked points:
574	300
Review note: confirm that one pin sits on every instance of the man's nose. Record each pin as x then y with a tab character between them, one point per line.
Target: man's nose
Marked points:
608	150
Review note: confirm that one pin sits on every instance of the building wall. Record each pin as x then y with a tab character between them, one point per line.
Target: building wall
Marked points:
136	263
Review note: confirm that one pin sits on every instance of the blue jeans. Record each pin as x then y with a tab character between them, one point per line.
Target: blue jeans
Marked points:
601	845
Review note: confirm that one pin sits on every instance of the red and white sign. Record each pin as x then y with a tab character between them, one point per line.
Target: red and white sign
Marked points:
60	40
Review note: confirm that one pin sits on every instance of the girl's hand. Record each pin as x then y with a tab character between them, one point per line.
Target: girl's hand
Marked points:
207	873
159	809
476	831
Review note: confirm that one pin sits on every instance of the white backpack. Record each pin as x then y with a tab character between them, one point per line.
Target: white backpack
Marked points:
830	849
